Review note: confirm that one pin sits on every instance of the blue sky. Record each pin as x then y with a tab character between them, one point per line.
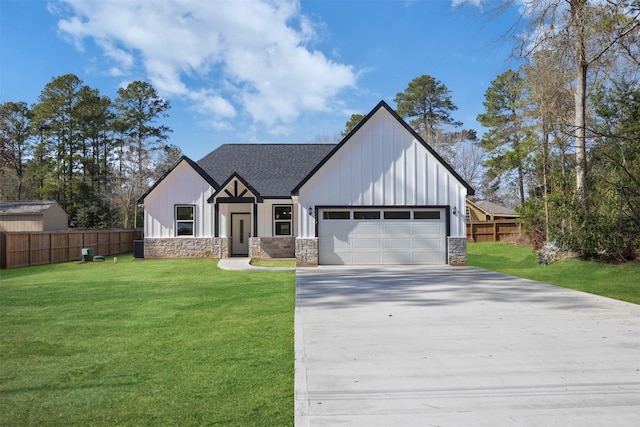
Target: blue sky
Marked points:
255	70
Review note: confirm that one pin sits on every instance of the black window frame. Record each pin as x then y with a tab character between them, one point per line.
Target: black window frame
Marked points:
178	221
397	214
337	215
366	215
278	222
435	215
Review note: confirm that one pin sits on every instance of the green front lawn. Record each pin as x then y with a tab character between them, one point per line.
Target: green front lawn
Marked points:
289	263
619	281
143	342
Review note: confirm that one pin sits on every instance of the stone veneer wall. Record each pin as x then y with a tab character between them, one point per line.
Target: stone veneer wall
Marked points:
183	247
307	252
271	247
221	247
457	248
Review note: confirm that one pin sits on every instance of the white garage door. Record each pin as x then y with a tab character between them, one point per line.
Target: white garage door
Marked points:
382	236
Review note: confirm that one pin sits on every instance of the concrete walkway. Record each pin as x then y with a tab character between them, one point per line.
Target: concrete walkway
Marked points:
449	346
242	263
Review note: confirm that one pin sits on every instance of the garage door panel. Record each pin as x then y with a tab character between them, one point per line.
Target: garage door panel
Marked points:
332	243
397	243
365	228
364	243
339	228
429	229
428	258
397	228
398	258
382	241
332	258
366	257
427	243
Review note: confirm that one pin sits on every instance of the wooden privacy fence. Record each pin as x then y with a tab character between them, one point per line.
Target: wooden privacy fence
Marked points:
492	231
27	248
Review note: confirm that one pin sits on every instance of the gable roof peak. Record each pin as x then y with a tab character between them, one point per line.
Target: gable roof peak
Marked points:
212	182
383	105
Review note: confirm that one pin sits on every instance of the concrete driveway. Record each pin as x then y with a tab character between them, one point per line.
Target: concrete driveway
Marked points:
452	346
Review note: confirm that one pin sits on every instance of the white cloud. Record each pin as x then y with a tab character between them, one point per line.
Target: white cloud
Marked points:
477	3
252	55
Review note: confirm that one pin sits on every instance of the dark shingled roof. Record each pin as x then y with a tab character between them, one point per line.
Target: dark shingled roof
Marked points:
25	207
273	170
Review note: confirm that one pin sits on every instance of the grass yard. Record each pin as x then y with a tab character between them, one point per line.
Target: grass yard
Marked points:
289	263
143	342
619	281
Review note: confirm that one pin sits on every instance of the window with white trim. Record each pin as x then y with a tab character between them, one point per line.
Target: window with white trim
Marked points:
185	223
282	220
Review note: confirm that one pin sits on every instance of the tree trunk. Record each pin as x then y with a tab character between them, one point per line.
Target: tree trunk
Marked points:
580	125
545	184
582	66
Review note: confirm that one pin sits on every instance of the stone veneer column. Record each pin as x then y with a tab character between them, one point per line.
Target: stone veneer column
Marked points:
221	247
457	251
271	247
307	252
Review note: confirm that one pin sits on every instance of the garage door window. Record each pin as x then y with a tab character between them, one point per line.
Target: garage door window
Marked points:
336	215
426	215
397	214
366	215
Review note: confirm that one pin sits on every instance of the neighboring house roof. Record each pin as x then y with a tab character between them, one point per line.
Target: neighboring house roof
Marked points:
382	104
21	207
491	208
273	170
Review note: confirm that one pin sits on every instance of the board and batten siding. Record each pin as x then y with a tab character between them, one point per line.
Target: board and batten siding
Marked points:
186	187
382	164
265	216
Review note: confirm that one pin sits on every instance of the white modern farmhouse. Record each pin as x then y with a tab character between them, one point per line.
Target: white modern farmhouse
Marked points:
380	196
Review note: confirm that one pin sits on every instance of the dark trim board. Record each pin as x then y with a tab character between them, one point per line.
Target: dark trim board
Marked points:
235	177
235	200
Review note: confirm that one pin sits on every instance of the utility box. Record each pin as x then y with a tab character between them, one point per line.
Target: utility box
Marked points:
138	248
87	254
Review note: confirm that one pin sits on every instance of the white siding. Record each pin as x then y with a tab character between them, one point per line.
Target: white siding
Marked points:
265	216
382	165
183	186
226	209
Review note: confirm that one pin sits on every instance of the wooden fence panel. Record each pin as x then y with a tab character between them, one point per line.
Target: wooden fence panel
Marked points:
22	249
103	244
59	247
17	250
40	248
114	242
76	243
126	240
91	241
492	231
